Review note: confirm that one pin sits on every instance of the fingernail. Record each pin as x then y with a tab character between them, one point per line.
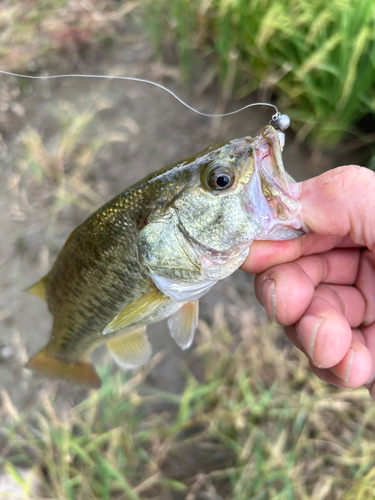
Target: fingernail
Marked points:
314	331
346	375
349	366
269	298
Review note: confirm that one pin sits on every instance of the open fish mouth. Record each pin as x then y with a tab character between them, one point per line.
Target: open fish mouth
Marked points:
268	196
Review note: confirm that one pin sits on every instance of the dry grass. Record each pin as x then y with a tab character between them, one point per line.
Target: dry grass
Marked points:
63	164
252	422
30	30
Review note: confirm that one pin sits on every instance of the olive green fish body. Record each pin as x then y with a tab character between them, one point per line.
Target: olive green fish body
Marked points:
98	272
156	248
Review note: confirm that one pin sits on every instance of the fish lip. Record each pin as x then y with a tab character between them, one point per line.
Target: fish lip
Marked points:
269	171
270	148
266	153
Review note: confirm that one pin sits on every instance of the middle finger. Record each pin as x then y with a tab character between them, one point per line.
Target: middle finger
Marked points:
286	290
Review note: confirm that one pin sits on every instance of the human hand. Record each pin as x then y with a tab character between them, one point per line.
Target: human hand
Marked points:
321	286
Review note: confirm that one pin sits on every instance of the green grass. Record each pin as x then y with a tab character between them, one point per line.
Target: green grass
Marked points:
64	163
252	422
318	56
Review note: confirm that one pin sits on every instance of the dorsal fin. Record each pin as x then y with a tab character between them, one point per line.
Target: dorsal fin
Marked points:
183	323
132	349
71	236
39	289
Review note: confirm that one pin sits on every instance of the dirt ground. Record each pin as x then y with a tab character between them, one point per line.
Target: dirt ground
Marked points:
147	129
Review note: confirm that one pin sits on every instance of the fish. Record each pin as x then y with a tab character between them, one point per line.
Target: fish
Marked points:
153	250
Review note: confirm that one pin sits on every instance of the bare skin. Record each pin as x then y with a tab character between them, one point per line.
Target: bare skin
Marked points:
321	286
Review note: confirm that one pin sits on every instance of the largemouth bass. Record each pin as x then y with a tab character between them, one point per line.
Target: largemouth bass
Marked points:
152	251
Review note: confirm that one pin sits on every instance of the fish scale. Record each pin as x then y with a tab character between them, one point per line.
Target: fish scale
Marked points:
156	248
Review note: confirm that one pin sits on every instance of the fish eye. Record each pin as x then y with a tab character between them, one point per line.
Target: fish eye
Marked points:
220	177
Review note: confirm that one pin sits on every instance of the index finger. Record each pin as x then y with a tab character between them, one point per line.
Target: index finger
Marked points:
265	254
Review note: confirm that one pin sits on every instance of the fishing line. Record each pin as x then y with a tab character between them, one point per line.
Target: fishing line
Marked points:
275	117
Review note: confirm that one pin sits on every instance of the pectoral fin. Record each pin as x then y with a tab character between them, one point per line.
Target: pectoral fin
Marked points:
136	311
39	289
77	372
132	349
183	323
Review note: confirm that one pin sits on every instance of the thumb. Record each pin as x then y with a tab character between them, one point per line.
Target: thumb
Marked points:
340	202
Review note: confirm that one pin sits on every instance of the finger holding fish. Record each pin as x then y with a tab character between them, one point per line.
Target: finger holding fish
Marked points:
320	286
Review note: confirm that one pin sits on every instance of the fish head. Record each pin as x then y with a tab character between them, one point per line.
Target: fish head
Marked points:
226	197
240	193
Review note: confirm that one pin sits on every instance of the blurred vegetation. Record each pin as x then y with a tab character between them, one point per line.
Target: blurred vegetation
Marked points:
65	164
319	57
251	423
32	29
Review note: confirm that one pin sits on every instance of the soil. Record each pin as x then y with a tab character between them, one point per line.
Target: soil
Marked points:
148	129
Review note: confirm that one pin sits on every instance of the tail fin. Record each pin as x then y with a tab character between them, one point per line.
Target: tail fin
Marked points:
79	372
